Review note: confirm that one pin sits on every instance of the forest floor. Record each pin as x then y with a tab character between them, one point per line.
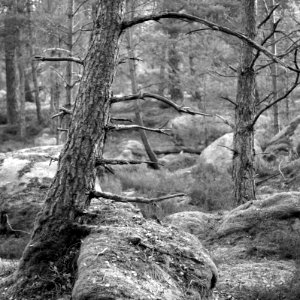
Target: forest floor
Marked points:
245	272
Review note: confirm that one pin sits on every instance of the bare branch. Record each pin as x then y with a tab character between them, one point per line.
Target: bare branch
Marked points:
282	97
268	16
121	120
159	98
230	124
130	127
229	100
63	111
117	198
73	59
212	26
104	161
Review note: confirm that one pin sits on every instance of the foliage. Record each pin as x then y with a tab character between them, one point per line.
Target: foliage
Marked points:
212	189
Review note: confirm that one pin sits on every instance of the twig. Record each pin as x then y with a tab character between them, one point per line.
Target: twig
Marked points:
279	169
268	16
118	198
229	100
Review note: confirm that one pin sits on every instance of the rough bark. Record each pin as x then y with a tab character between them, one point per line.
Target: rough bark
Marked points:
69	68
243	142
55	231
132	71
10	45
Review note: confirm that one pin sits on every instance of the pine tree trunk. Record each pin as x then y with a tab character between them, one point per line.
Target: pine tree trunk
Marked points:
54	230
21	69
69	69
10	45
243	142
132	71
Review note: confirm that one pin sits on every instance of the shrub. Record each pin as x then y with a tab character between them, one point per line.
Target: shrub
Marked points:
212	189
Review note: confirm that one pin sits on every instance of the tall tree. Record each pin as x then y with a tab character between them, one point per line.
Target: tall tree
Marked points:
11	29
130	8
31	44
54	233
243	142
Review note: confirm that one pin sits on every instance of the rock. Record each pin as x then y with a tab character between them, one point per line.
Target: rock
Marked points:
175	162
285	141
263	216
189	130
19	168
131	149
162	262
45	139
219	154
195	222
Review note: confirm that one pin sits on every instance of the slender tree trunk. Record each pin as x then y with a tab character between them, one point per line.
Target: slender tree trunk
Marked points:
33	65
10	45
134	88
28	93
243	142
162	72
69	68
176	93
54	230
274	73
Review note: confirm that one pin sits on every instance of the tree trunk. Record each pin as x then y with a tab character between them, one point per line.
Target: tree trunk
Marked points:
54	231
243	142
176	93
22	120
274	73
10	45
28	93
69	68
33	65
132	71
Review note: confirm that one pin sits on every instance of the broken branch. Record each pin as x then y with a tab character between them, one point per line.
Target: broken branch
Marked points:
118	198
103	161
130	127
73	59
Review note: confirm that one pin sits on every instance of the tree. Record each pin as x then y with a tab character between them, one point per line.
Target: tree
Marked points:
58	227
10	42
243	142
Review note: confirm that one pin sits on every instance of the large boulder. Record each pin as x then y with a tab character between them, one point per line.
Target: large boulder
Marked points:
219	153
198	223
133	258
190	131
279	212
19	168
131	149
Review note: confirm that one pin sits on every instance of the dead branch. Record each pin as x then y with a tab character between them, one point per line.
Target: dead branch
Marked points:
230	124
229	100
104	161
131	127
73	59
63	111
118	198
62	129
265	20
159	98
176	150
121	120
212	26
